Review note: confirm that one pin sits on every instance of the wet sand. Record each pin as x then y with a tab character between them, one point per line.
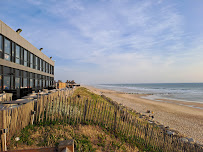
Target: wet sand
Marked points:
177	115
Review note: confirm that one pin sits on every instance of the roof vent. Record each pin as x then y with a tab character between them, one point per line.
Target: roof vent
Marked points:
19	31
41	49
51	57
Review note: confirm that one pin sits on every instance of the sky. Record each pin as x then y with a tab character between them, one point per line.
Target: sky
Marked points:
114	41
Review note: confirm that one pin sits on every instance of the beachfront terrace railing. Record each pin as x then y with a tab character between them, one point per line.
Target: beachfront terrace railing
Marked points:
13	120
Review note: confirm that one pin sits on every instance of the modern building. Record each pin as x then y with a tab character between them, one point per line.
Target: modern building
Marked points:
23	67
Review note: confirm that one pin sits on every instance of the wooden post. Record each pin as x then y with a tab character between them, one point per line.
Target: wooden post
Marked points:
80	109
74	110
115	118
94	111
47	107
85	110
53	106
70	106
43	108
32	117
4	131
108	116
104	115
66	109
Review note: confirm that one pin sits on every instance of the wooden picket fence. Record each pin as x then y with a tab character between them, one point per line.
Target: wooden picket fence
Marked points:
13	120
61	106
111	117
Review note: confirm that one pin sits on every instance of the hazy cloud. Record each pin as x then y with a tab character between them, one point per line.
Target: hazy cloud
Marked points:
110	41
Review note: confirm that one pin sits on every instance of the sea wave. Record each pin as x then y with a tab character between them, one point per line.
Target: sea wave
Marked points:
187	92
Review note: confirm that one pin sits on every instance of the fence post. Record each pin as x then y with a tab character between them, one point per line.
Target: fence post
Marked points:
32	116
85	110
4	131
115	118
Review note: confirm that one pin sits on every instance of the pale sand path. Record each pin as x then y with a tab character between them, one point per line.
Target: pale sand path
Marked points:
184	119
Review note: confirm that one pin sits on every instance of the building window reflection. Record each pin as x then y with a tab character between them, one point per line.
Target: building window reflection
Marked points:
31	83
17	54
1	46
36	63
25	58
17	83
1	78
31	60
7	80
13	52
7	50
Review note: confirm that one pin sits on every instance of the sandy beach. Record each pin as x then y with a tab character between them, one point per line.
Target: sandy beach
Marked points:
178	115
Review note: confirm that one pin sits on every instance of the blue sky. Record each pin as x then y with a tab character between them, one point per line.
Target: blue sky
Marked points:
114	41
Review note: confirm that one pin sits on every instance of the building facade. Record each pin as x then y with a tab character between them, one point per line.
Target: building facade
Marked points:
23	67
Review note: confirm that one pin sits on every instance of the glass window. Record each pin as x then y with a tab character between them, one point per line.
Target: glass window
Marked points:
13	52
40	64
21	56
47	67
17	83
1	46
36	83
12	82
7	80
31	83
33	75
31	60
6	70
0	83
25	82
25	74
25	58
17	73
17	54
36	62
1	43
50	69
0	78
40	83
47	70
43	66
7	50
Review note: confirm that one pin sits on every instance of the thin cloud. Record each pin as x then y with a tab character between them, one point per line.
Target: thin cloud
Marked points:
113	41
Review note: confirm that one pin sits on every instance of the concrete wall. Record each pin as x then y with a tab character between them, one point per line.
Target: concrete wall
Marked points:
14	36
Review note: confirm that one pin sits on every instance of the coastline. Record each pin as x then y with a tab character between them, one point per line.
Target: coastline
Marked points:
178	115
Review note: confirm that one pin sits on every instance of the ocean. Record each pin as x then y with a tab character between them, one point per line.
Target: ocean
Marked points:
188	92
